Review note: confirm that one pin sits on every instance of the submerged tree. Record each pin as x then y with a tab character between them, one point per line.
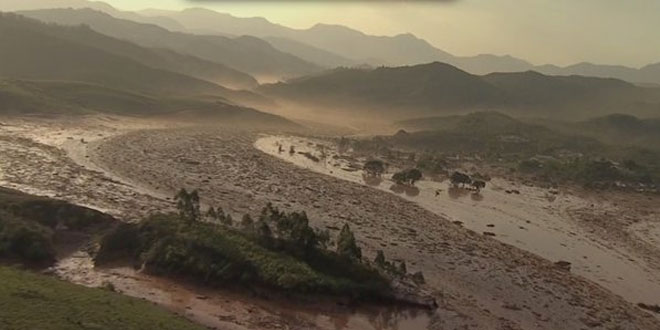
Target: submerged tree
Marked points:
478	185
374	168
413	176
458	178
347	245
409	176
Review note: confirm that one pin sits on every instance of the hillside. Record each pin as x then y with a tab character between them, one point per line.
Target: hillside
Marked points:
31	301
36	54
437	88
246	54
310	53
22	97
165	22
155	58
393	92
616	129
585	152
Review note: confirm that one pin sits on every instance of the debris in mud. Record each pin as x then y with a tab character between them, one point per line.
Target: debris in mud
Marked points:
489	233
563	265
652	308
310	156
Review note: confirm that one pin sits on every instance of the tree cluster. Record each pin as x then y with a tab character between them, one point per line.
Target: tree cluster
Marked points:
462	180
407	177
374	168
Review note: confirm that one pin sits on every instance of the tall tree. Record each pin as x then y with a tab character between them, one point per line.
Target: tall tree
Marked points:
347	245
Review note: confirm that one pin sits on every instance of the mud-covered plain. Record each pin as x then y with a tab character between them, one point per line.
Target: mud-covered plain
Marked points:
479	282
590	229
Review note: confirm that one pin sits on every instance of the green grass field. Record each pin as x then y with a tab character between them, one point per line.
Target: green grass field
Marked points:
31	301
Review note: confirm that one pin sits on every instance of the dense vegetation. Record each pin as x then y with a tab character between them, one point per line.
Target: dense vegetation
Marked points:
546	153
30	301
29	224
277	250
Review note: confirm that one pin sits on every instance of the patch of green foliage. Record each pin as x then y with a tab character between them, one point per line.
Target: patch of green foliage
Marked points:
30	301
28	224
278	251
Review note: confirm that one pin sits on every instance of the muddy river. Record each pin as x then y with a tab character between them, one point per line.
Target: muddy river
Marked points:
535	219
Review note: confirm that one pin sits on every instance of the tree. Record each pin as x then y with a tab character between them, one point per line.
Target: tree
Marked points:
402	268
380	259
227	220
346	244
221	216
399	177
194	200
374	167
188	205
211	214
413	175
263	232
247	224
409	176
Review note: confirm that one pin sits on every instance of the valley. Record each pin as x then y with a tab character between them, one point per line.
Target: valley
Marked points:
397	165
233	172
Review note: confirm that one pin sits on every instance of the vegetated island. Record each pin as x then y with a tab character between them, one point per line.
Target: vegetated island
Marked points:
277	252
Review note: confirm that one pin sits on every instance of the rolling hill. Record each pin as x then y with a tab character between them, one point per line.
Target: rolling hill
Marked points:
246	54
437	88
156	58
36	54
21	97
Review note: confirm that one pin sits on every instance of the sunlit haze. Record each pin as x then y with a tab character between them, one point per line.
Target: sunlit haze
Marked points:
561	32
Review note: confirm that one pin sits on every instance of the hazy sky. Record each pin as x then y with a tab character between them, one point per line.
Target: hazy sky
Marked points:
541	31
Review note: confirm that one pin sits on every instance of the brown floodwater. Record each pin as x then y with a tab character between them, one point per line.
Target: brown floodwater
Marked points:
237	310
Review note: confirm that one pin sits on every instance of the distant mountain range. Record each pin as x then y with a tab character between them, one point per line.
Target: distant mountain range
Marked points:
403	49
329	46
438	88
246	54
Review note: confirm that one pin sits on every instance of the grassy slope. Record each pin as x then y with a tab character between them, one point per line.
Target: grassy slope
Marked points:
30	301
